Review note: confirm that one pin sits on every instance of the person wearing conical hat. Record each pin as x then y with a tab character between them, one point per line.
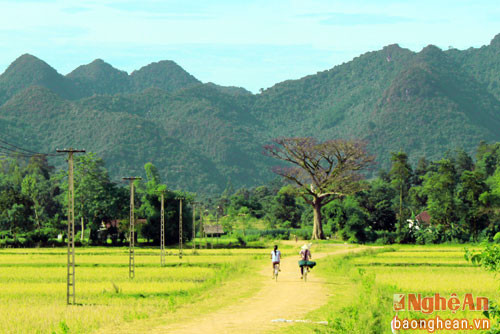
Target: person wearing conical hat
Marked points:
305	257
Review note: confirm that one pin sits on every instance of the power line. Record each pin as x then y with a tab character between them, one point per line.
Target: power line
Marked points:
20	148
20	151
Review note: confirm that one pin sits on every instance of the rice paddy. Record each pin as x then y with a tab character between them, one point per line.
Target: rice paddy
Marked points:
33	285
363	287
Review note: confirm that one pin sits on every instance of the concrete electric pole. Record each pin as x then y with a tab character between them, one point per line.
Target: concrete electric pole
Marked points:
131	252
70	277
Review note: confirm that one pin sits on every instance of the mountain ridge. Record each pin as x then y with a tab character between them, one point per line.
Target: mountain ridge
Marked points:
201	135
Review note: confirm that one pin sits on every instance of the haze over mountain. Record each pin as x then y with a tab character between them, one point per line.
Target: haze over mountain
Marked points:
202	135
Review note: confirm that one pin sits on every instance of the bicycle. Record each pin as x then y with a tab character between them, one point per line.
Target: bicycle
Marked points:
306	270
276	271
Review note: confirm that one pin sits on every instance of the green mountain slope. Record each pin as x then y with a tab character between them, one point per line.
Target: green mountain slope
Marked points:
125	141
423	103
99	77
27	71
202	135
165	75
482	63
432	106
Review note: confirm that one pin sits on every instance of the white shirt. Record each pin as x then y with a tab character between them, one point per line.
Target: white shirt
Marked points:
276	257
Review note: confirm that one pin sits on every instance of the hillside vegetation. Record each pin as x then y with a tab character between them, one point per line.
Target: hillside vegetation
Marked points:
202	135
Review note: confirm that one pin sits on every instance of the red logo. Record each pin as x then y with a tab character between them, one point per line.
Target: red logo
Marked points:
398	302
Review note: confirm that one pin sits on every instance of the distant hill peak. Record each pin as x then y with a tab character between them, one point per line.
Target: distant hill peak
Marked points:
165	74
27	57
433	55
26	63
157	64
431	49
95	69
98	61
392	47
495	41
231	90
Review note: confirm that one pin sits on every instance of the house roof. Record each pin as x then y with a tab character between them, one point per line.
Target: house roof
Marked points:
423	217
213	229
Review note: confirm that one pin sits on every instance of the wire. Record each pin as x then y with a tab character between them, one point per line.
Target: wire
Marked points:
19	148
15	150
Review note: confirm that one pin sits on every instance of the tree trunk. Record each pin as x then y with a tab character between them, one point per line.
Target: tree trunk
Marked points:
37	218
83	230
400	224
318	225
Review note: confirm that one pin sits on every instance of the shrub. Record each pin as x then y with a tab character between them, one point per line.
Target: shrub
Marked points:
385	237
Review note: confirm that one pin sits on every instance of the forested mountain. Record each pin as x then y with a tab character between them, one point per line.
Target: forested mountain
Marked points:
200	136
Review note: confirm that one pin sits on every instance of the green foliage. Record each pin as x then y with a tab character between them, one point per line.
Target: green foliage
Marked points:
28	195
377	201
440	189
401	176
350	219
489	259
149	193
424	103
285	209
202	135
97	199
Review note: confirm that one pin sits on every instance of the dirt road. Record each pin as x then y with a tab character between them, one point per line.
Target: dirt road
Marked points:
289	298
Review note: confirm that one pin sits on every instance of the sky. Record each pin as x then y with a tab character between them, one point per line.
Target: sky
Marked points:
250	44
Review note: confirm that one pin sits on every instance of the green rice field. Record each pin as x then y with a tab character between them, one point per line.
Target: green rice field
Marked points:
363	286
33	285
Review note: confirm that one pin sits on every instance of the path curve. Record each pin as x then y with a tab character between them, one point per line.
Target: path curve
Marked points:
289	298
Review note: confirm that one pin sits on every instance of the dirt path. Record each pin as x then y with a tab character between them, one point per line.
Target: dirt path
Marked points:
289	298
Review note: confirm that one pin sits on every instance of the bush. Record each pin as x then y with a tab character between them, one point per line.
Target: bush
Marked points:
43	237
385	237
40	237
242	241
426	236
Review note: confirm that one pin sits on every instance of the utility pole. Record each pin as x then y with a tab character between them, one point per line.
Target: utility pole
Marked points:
180	228
162	231
131	252
70	277
194	224
203	232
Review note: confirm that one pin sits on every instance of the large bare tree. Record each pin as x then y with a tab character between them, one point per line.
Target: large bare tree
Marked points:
322	171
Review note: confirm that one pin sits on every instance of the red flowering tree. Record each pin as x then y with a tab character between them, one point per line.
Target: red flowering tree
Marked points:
322	171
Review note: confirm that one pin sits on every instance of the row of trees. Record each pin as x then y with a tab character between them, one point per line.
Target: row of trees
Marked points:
322	189
460	194
33	202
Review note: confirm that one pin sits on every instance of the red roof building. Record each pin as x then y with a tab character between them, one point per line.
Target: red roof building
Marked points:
423	218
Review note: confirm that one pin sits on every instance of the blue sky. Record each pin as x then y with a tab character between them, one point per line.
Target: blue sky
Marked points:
252	44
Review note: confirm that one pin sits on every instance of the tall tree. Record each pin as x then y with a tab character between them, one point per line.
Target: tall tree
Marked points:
149	195
377	201
322	171
284	209
97	199
440	188
401	175
473	213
